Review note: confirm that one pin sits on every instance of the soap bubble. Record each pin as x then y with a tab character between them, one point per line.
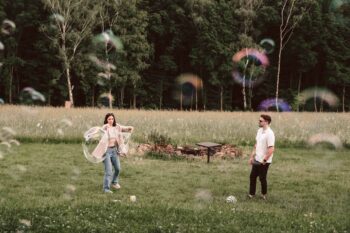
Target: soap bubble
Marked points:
268	45
29	96
328	138
249	67
63	125
270	105
231	199
309	97
92	138
8	27
204	195
188	85
104	99
108	38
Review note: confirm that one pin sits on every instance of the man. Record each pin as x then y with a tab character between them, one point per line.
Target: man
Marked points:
261	157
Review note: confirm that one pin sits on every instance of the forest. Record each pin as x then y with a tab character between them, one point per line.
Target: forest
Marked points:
223	55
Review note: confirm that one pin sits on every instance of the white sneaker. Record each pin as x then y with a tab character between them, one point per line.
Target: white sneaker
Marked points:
116	186
108	191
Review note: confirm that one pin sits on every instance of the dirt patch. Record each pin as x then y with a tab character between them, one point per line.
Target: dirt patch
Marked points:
225	151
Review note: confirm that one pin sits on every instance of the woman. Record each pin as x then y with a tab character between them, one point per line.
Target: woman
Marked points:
115	139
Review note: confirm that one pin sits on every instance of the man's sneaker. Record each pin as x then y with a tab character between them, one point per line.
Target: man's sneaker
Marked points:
116	186
264	197
251	196
108	191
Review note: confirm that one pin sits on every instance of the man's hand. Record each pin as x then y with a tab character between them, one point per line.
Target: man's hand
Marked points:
250	162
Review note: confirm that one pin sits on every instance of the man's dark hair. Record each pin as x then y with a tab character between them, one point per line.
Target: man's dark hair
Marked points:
266	118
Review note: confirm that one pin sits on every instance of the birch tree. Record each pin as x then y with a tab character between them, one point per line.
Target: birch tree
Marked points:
247	12
72	21
291	16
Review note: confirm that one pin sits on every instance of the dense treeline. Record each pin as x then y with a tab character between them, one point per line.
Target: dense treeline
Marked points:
56	45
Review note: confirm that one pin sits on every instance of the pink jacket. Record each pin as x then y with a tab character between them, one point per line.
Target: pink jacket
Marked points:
102	146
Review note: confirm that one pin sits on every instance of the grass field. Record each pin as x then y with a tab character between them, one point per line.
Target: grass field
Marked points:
62	125
52	188
46	184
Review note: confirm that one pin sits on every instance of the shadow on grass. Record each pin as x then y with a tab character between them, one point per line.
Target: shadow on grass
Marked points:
163	156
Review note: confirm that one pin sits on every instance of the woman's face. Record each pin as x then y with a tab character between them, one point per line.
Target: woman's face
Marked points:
110	120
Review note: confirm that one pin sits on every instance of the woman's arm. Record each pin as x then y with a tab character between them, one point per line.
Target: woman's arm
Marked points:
127	128
105	126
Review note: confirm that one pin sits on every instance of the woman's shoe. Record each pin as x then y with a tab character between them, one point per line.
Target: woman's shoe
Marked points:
116	186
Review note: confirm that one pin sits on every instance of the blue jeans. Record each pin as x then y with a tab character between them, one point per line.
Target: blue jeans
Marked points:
112	159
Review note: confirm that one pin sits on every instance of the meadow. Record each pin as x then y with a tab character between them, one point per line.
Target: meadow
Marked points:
33	124
46	184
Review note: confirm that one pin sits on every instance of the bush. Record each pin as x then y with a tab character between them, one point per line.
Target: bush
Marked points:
157	138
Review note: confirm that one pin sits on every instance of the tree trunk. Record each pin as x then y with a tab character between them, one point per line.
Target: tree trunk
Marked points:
10	85
122	97
181	99
279	67
221	98
67	70
93	97
197	96
204	98
191	101
161	95
110	98
49	97
343	98
232	98
17	83
250	96
134	99
244	95
315	103
299	85
196	100
70	89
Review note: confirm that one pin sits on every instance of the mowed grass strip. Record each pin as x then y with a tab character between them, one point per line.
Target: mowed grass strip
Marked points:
55	189
48	124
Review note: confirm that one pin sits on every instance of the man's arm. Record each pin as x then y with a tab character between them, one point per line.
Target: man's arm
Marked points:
270	150
252	155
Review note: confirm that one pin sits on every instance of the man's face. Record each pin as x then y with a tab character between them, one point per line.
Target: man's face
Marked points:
262	122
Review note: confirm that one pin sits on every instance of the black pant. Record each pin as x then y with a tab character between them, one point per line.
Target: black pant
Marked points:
261	171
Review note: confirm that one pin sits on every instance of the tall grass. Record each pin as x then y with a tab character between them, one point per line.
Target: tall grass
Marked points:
45	123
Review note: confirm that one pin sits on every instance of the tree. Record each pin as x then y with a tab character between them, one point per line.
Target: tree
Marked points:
130	27
72	23
291	16
337	23
108	15
217	32
247	13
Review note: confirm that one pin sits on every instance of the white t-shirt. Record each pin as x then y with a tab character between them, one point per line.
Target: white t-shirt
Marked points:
264	139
